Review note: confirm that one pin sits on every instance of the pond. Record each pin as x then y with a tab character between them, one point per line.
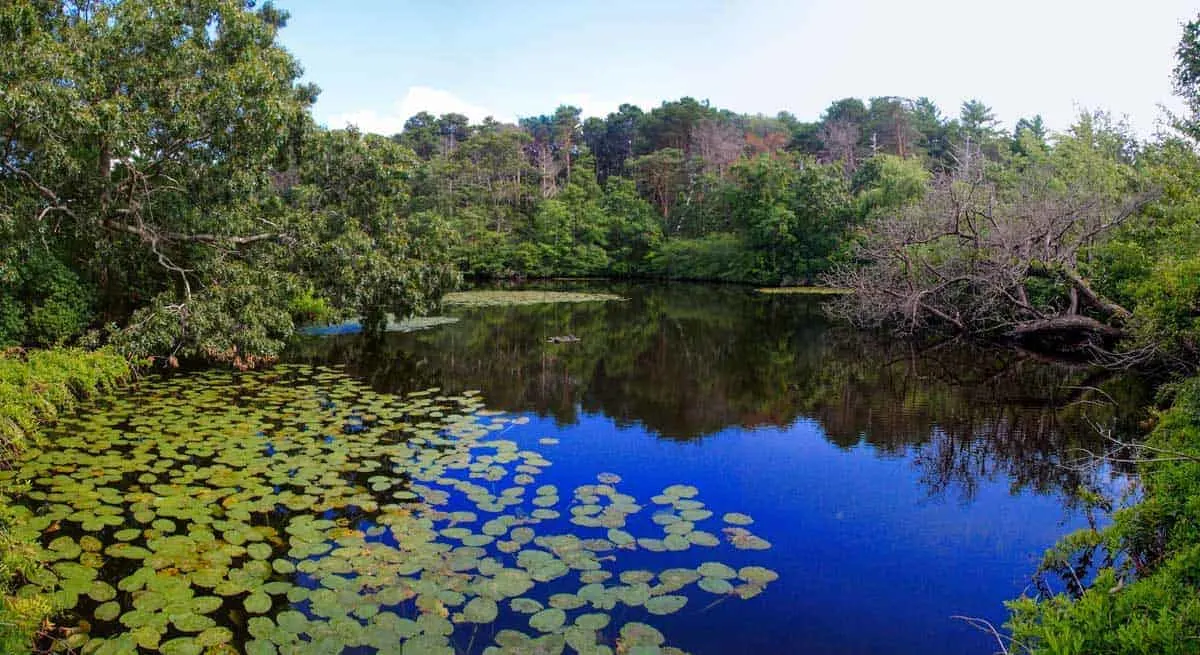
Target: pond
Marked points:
691	469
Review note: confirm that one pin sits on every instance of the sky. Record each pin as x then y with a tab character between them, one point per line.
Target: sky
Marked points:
380	61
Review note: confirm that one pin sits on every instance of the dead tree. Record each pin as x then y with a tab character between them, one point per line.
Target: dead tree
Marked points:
977	259
840	140
718	145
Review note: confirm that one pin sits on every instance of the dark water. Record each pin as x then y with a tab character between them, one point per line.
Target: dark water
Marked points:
900	485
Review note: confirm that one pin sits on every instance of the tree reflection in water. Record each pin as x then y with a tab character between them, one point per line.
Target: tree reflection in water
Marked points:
688	361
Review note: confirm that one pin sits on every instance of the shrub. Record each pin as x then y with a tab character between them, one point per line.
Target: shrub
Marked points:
1148	600
36	386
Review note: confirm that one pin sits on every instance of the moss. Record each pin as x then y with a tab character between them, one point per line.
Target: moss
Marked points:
35	387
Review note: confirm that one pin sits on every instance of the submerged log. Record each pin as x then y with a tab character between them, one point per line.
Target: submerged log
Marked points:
1071	336
1065	326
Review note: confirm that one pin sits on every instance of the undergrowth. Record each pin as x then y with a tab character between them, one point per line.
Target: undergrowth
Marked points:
35	387
1147	600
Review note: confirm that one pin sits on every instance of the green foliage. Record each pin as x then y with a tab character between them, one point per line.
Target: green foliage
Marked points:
308	308
360	246
1144	600
39	384
661	177
1150	265
12	320
634	232
60	305
1167	303
1186	77
21	616
36	386
582	231
793	214
887	183
719	256
177	201
44	302
1000	248
241	319
142	175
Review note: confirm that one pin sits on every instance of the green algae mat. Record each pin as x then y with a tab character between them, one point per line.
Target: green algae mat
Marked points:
496	298
297	511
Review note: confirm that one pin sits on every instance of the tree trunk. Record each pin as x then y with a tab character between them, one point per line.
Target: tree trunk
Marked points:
1065	326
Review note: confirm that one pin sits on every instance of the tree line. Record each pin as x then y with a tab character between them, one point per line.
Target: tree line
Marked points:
164	187
686	190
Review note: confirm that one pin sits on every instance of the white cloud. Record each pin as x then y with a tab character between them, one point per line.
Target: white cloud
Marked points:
416	100
599	107
590	106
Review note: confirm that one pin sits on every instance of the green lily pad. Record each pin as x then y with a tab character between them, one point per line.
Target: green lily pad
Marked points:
633	577
190	622
716	585
107	611
669	604
481	610
525	606
214	637
592	621
566	601
757	574
257	603
182	646
259	551
716	570
681	491
548	620
734	518
640	634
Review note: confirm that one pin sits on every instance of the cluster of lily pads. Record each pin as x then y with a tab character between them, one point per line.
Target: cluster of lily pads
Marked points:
496	298
296	511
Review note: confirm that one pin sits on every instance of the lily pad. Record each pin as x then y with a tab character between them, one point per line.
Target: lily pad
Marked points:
757	574
525	605
639	634
669	604
716	585
481	610
548	620
734	518
717	570
257	603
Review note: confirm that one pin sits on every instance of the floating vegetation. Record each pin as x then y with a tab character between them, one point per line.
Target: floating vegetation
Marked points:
298	511
804	291
734	518
484	298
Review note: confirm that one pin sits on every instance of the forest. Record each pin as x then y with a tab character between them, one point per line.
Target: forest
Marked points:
166	198
178	218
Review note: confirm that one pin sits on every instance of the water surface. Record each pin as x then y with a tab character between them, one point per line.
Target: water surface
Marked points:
697	469
899	484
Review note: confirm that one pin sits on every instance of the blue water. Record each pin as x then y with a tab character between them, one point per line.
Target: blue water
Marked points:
899	488
865	568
